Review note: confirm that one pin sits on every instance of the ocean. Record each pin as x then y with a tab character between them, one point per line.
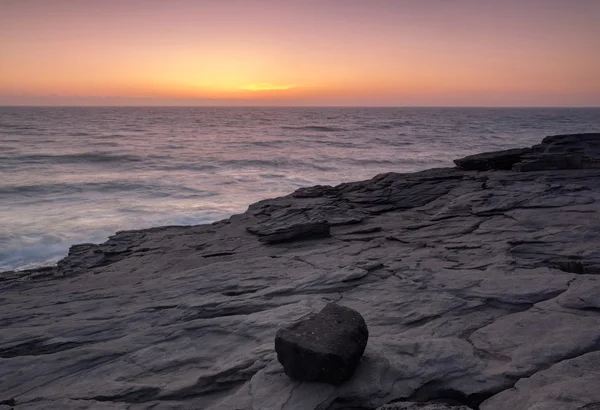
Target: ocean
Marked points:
72	175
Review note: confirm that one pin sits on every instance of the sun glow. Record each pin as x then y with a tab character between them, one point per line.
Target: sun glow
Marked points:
266	87
321	52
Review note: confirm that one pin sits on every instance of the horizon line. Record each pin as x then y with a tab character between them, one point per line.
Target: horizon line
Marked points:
300	106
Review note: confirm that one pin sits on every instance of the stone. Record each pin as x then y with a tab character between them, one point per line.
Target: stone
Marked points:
502	160
326	347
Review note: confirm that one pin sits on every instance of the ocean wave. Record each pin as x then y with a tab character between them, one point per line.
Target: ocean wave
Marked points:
7	149
185	167
19	256
87	157
320	128
111	136
281	163
374	162
391	142
128	129
18	127
388	125
104	144
68	189
64	190
337	144
270	143
39	249
272	176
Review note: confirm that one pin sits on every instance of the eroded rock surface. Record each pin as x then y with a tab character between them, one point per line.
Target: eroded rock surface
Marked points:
480	289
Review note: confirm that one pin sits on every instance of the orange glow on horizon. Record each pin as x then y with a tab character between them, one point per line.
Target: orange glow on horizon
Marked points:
266	87
540	52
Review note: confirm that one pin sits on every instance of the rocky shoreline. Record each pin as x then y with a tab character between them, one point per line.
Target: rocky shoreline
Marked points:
478	284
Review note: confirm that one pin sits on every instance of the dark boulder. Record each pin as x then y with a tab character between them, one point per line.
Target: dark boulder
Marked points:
503	160
326	347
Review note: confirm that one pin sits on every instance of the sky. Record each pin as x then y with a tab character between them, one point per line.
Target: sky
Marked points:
300	52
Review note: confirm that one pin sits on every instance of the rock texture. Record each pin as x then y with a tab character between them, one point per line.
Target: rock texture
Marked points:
325	347
493	160
480	289
571	151
293	230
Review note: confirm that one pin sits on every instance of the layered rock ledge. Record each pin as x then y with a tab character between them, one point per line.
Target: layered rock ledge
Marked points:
479	289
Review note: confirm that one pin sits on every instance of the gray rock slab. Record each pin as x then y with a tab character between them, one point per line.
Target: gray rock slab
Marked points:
570	384
479	288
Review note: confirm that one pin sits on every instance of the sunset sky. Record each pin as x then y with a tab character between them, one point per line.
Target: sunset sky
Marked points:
300	52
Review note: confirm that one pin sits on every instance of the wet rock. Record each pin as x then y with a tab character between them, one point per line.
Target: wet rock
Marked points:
503	160
326	347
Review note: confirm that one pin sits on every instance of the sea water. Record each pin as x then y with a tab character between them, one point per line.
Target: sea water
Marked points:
73	175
